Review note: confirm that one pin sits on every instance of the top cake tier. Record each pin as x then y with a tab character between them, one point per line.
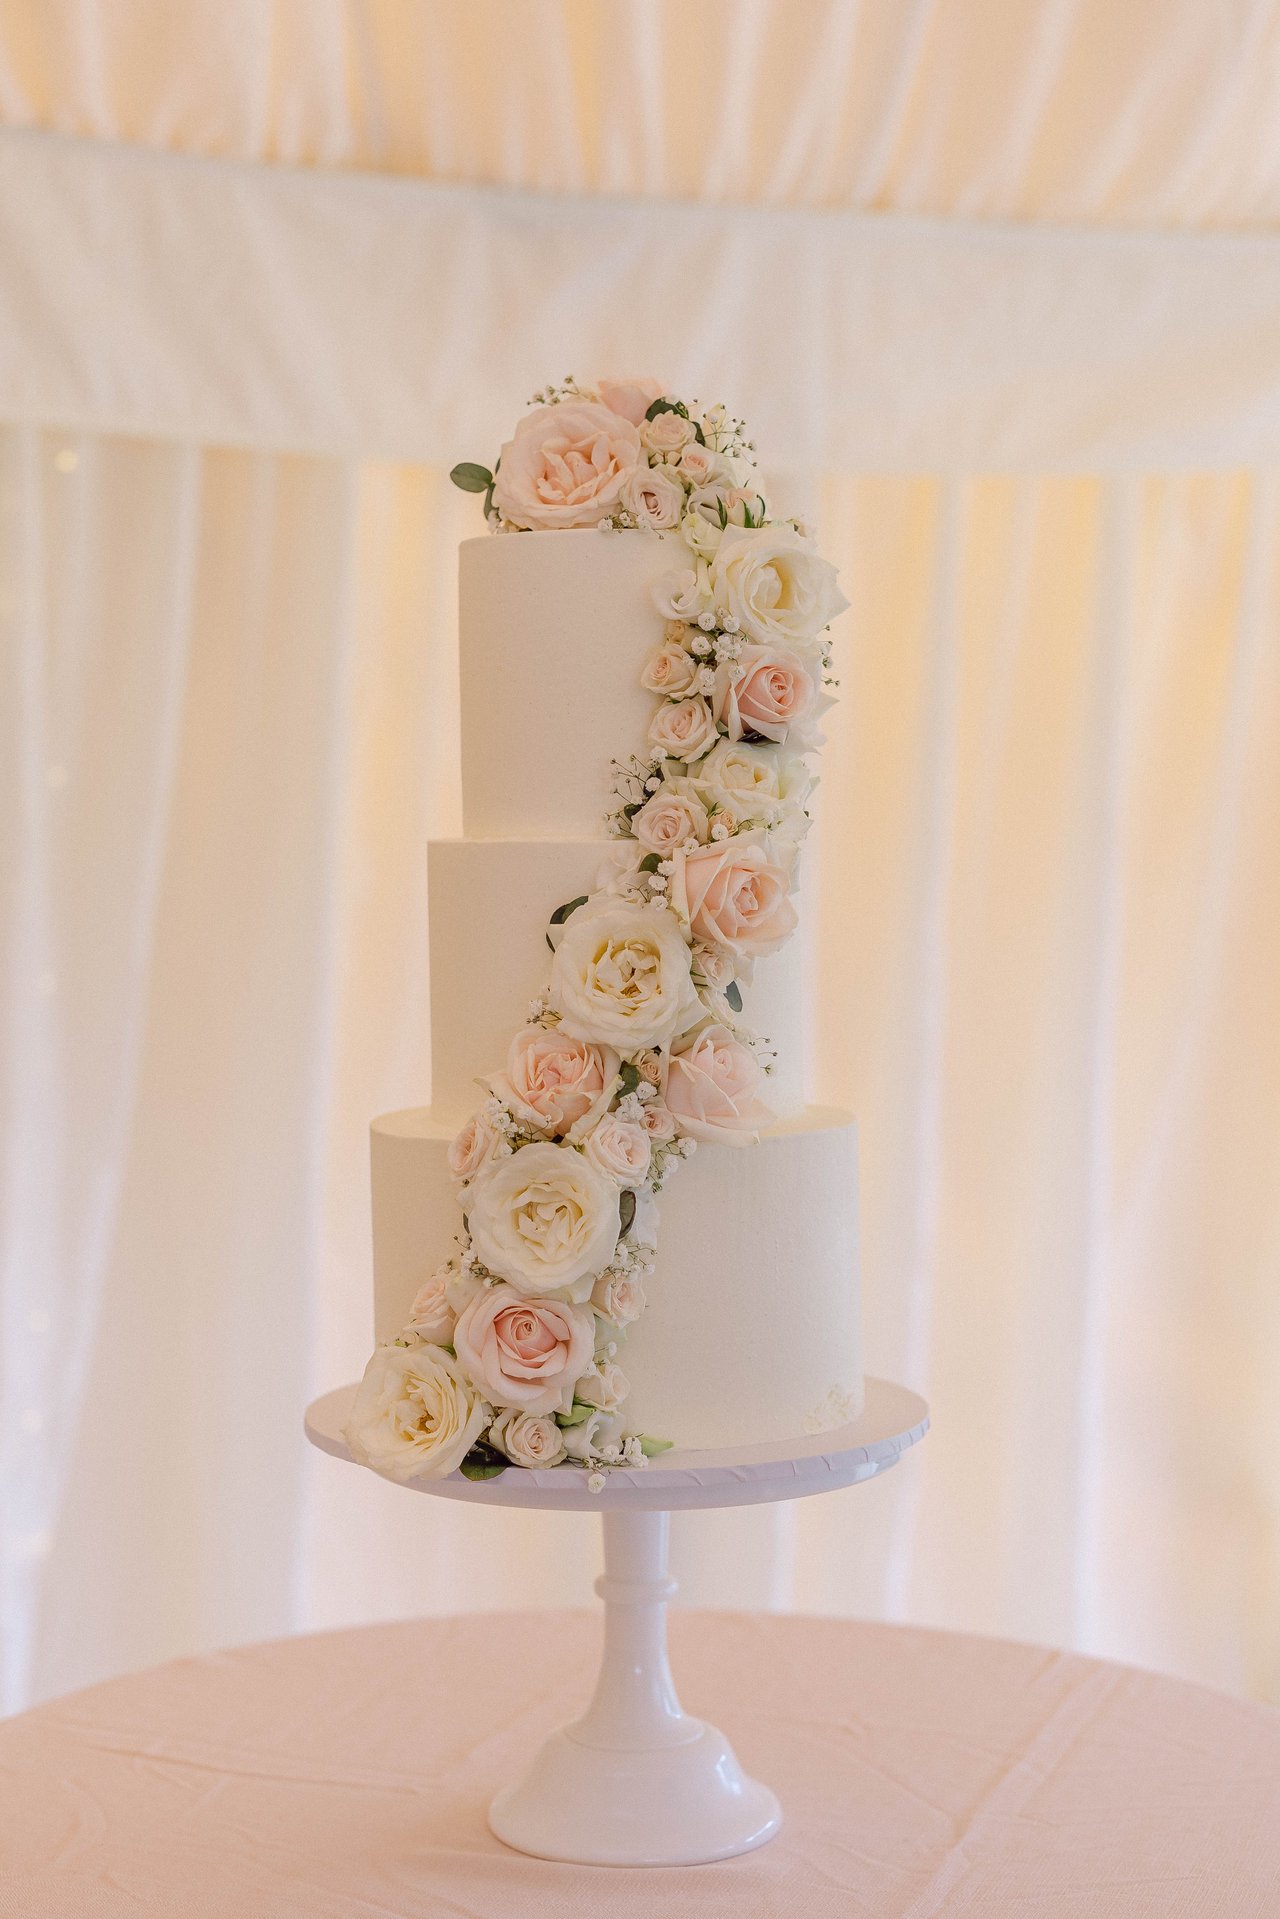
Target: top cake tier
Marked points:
554	632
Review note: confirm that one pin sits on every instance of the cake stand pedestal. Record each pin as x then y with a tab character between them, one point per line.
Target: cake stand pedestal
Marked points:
636	1781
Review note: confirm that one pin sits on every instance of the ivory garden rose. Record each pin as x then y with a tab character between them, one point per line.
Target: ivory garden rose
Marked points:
566	466
544	1219
522	1352
555	1082
416	1413
620	975
775	584
733	896
713	1085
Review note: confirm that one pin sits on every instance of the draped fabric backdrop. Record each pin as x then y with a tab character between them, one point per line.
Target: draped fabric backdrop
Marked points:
999	290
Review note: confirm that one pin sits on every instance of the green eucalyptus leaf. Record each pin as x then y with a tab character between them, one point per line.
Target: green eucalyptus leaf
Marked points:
578	1415
733	993
471	478
649	864
628	1079
562	913
626	1210
479	1464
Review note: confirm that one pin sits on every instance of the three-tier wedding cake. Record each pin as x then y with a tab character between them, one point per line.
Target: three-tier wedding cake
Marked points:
619	1226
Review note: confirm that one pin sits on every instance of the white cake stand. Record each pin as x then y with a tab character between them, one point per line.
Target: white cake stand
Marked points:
635	1781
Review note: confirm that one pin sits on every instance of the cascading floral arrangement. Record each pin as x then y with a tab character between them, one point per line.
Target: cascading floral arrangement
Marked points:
638	1050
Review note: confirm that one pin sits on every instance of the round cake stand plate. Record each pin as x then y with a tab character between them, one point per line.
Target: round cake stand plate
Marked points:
636	1781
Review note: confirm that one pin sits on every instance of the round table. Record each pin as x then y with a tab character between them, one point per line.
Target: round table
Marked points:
347	1776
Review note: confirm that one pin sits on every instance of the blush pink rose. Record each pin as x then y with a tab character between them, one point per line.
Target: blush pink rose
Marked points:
712	1085
432	1314
524	1352
473	1147
566	466
683	729
731	895
776	693
618	1149
552	1080
653	497
631	398
669	670
668	820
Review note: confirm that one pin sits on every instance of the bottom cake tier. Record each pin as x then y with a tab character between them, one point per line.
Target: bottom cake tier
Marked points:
752	1328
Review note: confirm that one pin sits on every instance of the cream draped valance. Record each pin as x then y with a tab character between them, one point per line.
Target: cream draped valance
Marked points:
298	310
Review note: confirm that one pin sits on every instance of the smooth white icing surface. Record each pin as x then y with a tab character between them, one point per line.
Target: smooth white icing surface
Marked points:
554	630
752	1330
489	902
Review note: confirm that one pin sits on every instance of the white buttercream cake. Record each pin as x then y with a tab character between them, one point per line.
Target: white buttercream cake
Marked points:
656	1060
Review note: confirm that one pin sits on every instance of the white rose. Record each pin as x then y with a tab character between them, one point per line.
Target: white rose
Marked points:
654	497
703	524
527	1439
416	1415
473	1147
605	1386
432	1315
684	593
583	1441
667	433
777	585
545	1219
643	1230
618	874
620	1150
671	671
618	1297
620	976
683	729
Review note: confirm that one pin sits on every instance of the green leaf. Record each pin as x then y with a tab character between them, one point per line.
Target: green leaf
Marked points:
668	406
628	1079
578	1415
562	913
733	993
649	864
626	1210
471	478
723	511
652	1447
480	1464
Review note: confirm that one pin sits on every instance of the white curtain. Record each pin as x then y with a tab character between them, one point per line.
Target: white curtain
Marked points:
1049	920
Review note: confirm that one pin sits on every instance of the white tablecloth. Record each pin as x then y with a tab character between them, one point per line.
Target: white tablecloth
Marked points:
921	1773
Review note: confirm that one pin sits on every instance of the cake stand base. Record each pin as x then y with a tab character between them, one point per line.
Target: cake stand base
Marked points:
636	1781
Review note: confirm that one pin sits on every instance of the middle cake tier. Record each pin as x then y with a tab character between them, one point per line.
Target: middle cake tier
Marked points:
489	902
